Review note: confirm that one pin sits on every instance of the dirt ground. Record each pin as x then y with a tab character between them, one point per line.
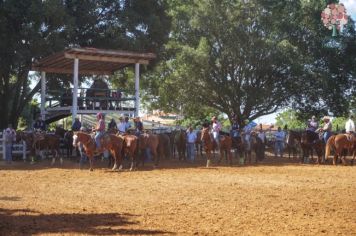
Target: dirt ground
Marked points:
276	197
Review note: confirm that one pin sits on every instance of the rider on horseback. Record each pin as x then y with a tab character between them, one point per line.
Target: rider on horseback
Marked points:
99	129
312	124
350	128
215	130
327	128
234	132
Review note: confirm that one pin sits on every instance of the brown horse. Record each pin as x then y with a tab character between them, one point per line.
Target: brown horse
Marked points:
164	146
338	143
109	142
43	141
148	142
129	149
310	141
293	143
180	141
210	146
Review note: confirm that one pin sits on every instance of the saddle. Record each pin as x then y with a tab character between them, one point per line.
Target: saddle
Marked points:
351	137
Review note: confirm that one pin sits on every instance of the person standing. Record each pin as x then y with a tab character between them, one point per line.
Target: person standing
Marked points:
10	137
191	138
279	145
262	136
76	125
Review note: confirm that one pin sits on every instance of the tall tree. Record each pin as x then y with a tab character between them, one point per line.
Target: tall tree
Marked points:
32	29
253	57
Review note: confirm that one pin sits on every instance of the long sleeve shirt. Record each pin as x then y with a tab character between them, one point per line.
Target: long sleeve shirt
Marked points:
350	126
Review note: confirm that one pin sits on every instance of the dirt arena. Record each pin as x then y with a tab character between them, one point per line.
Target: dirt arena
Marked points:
277	197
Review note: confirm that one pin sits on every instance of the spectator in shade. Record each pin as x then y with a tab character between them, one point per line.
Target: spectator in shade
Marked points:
9	137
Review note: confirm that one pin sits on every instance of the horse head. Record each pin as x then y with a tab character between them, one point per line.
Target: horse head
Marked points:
205	135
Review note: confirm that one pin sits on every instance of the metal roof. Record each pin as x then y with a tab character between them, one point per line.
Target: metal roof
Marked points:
92	61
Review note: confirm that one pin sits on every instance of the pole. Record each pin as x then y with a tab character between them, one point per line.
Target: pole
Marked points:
43	95
75	89
137	89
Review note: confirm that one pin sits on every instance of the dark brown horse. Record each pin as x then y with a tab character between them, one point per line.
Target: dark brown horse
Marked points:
210	146
293	144
164	146
180	141
310	141
108	142
150	143
338	143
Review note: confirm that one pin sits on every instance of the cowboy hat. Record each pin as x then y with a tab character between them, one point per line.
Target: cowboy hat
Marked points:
326	118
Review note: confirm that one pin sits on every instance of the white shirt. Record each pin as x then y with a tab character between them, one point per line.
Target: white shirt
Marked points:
350	126
216	129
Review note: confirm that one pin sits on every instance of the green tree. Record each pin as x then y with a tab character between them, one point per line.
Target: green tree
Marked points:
33	29
290	118
253	57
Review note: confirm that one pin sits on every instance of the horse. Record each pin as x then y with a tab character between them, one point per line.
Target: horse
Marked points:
247	141
310	140
258	146
67	137
180	141
43	141
109	142
210	146
129	149
293	143
338	143
164	145
148	142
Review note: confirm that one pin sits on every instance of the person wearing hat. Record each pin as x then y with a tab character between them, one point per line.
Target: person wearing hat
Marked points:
327	128
138	126
99	129
121	126
112	124
313	124
76	125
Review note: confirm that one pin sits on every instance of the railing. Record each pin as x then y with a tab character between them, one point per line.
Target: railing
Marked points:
17	148
93	99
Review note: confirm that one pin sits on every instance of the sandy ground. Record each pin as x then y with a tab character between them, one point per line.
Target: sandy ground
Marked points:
277	197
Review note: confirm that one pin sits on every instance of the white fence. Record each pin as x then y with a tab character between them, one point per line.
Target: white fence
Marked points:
17	148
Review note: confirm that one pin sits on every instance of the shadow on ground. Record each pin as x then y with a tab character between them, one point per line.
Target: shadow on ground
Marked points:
27	222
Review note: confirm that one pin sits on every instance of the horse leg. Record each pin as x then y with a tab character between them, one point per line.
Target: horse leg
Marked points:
229	154
156	158
208	155
91	162
114	157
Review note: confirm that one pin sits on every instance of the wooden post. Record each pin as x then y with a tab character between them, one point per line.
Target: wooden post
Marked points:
75	89
43	95
137	89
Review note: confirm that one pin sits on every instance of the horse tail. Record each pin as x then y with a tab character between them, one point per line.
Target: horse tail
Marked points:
330	144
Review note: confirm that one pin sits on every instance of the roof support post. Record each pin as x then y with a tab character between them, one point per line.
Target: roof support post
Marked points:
137	89
75	89
43	95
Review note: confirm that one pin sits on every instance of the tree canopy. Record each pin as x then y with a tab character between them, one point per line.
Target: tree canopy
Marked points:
253	57
32	29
